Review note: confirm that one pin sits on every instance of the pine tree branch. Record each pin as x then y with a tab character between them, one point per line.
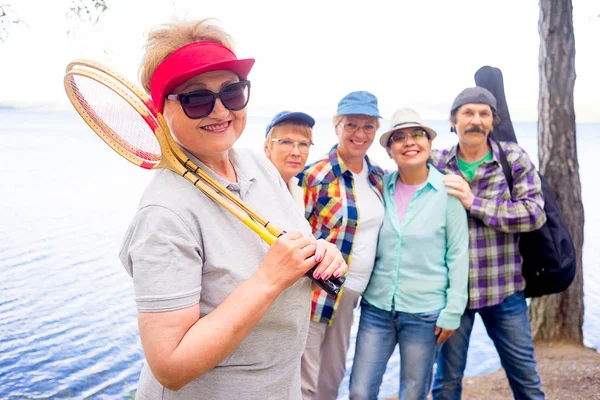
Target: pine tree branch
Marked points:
89	11
8	18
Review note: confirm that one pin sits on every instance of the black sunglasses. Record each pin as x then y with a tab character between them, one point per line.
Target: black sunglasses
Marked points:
200	103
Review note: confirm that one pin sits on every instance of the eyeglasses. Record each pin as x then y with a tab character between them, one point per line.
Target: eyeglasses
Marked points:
288	145
402	137
352	127
200	103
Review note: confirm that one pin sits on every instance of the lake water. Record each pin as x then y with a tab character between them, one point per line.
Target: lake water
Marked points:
68	326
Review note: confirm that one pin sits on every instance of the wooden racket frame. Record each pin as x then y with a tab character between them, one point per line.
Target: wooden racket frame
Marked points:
168	159
179	154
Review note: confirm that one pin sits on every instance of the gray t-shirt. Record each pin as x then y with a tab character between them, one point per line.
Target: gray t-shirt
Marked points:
182	249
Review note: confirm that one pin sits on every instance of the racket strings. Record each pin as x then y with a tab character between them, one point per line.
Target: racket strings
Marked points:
119	122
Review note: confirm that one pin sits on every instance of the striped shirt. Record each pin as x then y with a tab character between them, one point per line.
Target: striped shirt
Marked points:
495	219
331	210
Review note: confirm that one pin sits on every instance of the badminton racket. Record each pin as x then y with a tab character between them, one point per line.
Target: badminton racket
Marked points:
125	118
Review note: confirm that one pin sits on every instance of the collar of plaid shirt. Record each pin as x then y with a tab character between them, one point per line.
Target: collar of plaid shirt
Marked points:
332	166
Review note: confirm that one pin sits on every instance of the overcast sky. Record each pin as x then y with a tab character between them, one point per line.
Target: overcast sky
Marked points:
309	54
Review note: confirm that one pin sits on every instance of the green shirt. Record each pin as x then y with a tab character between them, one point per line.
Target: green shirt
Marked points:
422	264
470	168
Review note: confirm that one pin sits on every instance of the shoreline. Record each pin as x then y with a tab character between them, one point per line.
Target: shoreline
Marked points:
568	371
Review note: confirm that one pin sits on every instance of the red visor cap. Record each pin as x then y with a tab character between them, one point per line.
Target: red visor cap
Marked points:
192	60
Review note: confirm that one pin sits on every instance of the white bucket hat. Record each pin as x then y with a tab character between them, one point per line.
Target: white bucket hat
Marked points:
405	118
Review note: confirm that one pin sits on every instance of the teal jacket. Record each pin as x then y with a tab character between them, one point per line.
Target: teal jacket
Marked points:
422	264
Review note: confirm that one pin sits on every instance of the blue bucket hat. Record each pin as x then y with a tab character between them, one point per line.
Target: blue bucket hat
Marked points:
287	115
361	103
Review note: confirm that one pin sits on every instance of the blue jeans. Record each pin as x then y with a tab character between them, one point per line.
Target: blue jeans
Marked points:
508	326
378	333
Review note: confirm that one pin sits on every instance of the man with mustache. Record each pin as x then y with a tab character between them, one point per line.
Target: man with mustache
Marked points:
496	216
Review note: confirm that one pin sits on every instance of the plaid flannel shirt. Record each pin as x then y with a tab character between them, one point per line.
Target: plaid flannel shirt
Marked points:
331	210
495	219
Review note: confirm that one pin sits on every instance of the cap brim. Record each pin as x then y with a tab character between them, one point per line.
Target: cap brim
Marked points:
359	110
240	67
298	116
310	121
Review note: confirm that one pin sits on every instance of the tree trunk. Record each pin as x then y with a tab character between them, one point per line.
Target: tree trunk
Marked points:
559	317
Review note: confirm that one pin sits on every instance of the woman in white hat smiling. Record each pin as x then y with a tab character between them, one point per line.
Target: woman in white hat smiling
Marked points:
418	288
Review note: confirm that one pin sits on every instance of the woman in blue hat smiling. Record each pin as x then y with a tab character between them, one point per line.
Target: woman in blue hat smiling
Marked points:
343	197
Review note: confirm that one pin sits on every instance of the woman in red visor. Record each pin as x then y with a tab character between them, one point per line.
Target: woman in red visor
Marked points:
221	314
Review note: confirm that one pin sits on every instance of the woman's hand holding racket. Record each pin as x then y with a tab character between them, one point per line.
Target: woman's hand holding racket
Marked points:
286	261
292	255
331	264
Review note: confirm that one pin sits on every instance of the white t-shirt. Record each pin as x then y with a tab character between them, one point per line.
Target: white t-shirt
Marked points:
297	193
370	217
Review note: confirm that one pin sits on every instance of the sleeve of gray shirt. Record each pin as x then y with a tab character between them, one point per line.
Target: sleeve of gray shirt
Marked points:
164	258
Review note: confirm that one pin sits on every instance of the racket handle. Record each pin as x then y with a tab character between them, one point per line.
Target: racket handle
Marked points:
331	286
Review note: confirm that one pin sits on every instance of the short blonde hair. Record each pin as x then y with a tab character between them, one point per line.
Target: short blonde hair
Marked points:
301	128
338	118
165	39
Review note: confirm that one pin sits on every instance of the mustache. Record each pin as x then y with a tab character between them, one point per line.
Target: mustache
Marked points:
478	129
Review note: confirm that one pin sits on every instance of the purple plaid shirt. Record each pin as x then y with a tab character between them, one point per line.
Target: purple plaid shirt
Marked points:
495	219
